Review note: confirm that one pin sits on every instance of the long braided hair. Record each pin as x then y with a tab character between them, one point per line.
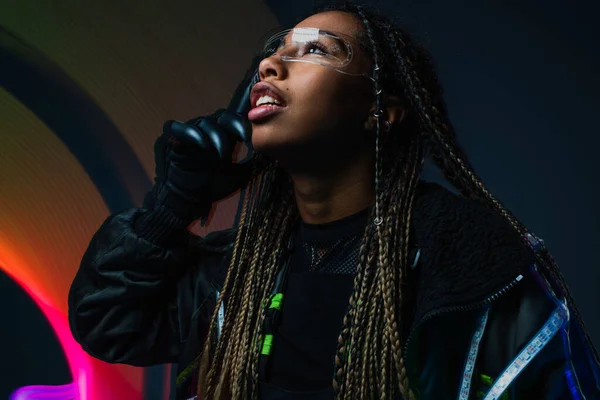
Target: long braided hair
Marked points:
369	361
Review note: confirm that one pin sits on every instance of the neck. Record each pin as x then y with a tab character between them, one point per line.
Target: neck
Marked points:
337	194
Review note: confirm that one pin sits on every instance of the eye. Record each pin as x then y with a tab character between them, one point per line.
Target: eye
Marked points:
315	48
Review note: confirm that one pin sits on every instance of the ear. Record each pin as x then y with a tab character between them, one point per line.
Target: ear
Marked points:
394	112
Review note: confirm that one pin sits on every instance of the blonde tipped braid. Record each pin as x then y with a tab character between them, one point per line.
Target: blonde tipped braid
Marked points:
254	195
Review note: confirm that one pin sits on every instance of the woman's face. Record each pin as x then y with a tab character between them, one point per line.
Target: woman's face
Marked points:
324	112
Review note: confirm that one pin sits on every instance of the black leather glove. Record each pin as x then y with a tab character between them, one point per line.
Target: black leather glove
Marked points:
194	165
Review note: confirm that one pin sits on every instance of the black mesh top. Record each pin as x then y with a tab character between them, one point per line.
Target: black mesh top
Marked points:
316	297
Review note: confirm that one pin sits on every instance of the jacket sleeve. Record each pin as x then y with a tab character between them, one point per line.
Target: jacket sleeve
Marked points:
132	300
536	346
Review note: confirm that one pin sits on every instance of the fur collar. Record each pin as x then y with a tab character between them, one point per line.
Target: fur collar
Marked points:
467	251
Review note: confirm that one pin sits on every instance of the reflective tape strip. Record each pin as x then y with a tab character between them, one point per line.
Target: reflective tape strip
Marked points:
467	378
220	316
535	345
305	35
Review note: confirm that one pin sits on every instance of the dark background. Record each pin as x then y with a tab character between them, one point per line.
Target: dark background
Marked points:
522	85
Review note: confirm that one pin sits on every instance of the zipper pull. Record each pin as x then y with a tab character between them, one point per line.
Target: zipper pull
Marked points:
536	243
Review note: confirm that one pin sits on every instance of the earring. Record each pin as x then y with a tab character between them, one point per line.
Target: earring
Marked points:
387	126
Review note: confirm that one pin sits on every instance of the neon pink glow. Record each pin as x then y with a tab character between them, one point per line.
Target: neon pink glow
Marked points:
64	392
78	362
92	379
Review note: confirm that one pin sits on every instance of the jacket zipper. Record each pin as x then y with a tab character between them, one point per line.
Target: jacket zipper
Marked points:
470	307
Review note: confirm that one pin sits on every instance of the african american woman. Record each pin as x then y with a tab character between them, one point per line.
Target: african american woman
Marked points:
346	276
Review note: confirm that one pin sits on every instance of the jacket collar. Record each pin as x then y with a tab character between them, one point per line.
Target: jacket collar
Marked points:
467	251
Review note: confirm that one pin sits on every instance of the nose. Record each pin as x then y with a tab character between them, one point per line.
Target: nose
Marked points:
272	66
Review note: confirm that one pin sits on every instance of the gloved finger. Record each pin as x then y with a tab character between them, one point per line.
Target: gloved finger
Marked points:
240	101
237	125
220	138
188	138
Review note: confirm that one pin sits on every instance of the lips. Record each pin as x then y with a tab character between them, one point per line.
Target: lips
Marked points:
263	111
265	89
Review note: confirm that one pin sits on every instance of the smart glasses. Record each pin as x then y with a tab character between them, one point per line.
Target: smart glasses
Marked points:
312	46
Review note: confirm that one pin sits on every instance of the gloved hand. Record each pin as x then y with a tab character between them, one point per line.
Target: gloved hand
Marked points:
194	165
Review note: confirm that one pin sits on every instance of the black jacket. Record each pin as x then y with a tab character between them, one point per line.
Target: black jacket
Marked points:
485	322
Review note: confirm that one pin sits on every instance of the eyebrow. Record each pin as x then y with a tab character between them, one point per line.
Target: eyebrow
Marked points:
329	32
336	36
352	38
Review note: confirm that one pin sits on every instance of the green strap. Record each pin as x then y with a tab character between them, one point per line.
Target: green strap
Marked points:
267	345
267	340
276	301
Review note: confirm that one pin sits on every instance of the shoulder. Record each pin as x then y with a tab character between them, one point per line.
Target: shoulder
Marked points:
437	209
465	228
467	250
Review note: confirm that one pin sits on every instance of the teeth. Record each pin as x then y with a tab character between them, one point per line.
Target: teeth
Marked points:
266	100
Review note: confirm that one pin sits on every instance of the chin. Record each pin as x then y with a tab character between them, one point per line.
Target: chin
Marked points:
267	140
276	150
270	150
290	147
